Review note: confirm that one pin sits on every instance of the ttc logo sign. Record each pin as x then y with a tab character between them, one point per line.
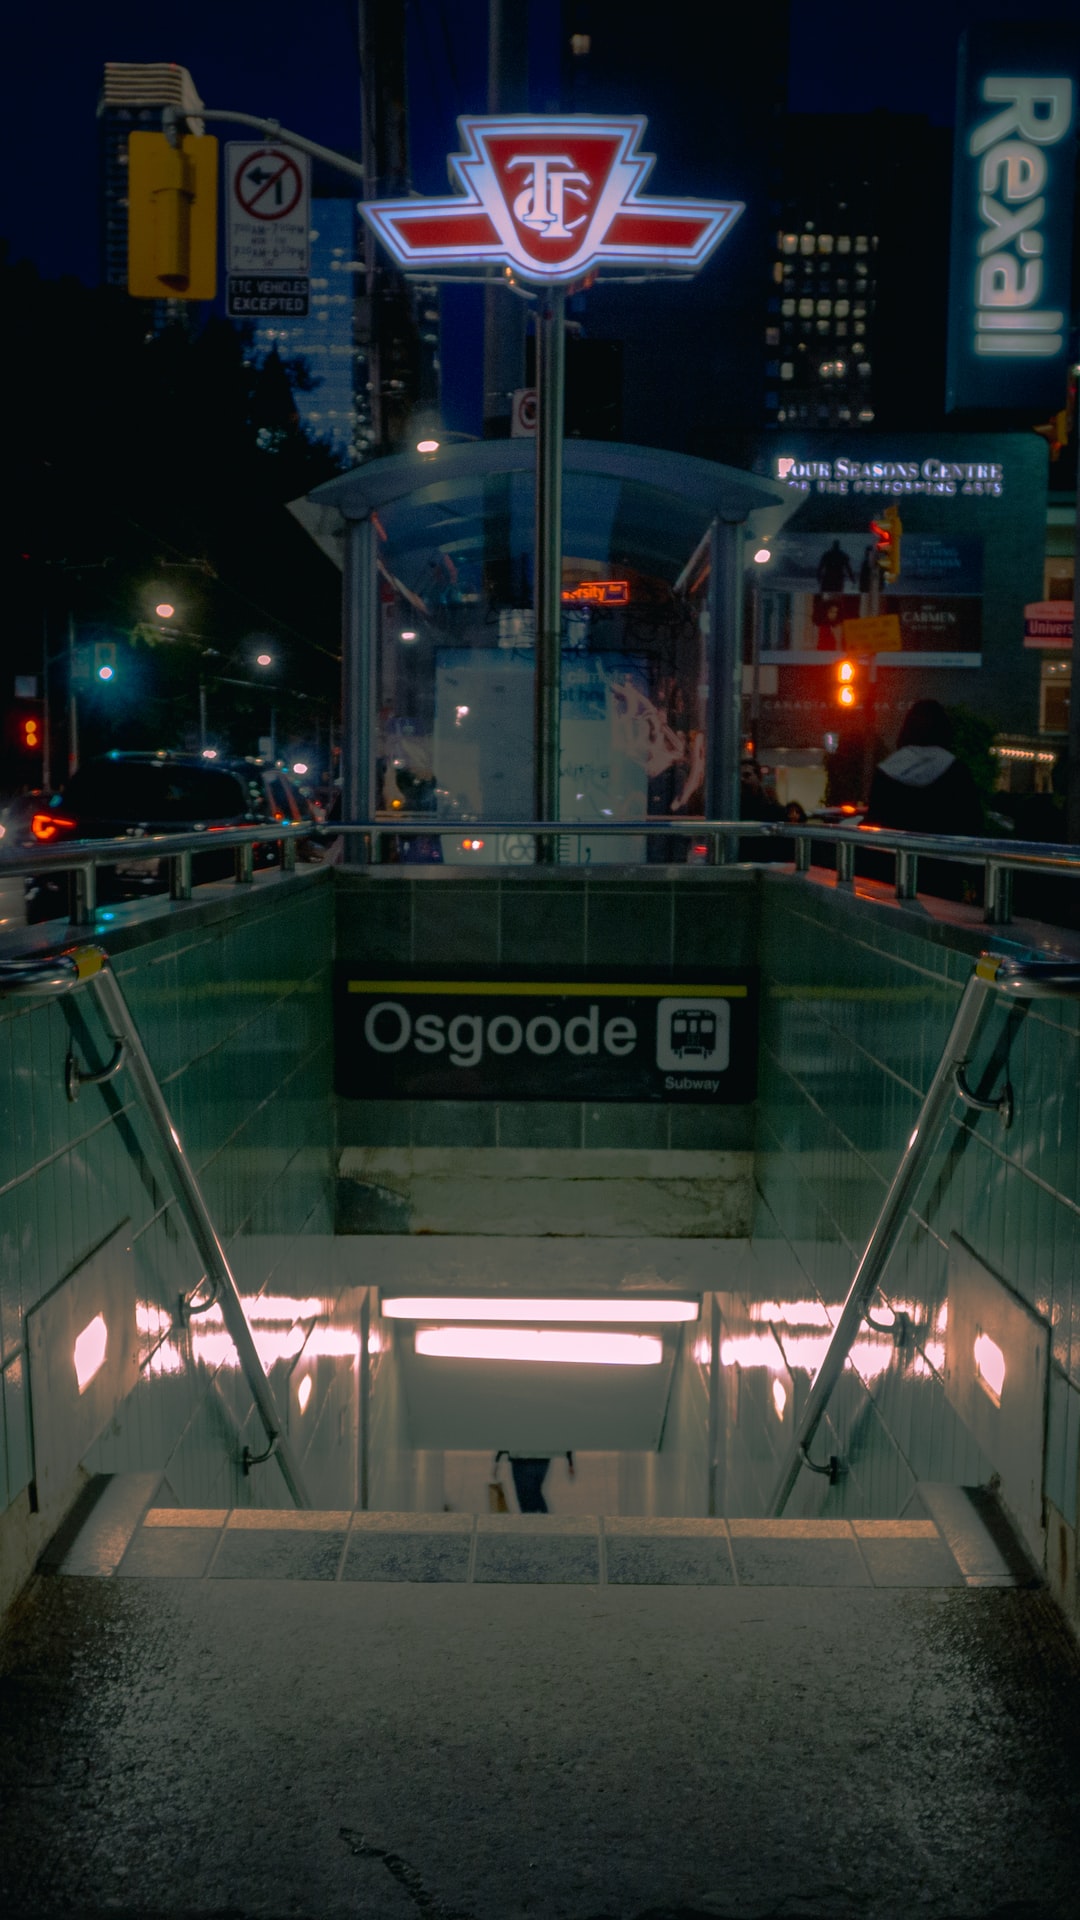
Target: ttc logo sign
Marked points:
552	199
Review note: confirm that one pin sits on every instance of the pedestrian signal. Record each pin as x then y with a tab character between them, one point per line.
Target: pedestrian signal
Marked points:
172	217
849	685
887	532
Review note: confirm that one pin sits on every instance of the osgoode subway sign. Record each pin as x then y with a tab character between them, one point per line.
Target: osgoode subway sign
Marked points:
548	1039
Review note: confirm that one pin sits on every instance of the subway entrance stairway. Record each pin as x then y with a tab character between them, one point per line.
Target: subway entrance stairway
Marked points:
323	1714
270	1651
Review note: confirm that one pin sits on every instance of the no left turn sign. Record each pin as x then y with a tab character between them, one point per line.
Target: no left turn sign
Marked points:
269	184
269	221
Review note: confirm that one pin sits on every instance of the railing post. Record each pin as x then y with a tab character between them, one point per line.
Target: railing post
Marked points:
802	853
845	863
180	876
288	856
907	874
997	907
245	864
82	896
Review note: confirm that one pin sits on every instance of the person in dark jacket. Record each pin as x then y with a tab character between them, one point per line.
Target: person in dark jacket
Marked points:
923	787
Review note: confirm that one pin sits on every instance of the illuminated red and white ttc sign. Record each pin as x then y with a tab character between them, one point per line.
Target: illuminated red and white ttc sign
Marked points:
551	199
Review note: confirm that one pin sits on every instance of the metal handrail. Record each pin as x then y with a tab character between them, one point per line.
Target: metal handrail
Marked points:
147	846
1027	855
89	966
1019	979
82	858
999	858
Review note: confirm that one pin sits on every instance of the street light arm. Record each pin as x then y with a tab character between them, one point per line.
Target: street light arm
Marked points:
172	116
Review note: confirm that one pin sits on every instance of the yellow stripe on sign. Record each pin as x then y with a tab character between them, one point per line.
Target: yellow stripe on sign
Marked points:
545	989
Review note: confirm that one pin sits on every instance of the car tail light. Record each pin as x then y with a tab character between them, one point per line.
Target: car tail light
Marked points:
46	826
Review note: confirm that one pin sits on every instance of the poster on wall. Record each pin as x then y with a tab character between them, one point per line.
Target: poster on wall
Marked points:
818	582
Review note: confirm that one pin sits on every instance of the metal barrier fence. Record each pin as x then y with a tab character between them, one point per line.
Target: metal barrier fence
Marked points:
560	843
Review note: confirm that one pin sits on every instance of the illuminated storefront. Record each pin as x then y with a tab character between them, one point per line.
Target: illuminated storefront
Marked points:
972	516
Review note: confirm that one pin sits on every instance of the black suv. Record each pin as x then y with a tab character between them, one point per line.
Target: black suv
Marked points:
130	795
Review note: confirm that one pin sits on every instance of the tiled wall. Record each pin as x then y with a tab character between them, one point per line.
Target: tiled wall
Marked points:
232	1002
857	1001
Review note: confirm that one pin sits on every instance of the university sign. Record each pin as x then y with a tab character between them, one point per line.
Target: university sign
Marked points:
1011	265
552	200
548	1039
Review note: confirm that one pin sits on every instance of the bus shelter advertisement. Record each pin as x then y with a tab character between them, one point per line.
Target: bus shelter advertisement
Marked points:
819	582
641	1038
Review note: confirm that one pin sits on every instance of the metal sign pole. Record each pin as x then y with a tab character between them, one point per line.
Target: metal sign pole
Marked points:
547	576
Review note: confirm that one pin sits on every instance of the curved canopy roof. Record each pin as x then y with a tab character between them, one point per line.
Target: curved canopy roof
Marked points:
662	502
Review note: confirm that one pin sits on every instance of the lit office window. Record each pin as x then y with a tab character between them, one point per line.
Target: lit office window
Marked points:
806	244
824	306
787	370
772	336
825	243
843	308
790	243
843	243
787	308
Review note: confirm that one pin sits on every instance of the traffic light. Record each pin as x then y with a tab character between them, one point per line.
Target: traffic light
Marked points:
30	733
887	532
105	660
172	217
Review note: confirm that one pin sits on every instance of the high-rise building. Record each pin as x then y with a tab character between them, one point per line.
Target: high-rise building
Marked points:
328	367
855	330
132	96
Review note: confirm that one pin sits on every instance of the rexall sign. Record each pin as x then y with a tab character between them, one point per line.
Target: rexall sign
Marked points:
1013	166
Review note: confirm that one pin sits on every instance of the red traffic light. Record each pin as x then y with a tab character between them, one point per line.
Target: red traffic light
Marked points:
30	731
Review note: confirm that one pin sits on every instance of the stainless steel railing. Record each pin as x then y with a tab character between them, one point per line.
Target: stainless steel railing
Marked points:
82	858
370	842
1017	979
88	967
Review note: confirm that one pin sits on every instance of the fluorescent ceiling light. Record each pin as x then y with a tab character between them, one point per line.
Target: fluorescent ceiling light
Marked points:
422	1306
558	1348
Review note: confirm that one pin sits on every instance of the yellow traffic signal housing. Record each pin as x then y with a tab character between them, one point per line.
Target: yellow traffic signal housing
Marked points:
172	217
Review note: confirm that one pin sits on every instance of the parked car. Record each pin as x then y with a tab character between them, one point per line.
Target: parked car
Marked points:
131	795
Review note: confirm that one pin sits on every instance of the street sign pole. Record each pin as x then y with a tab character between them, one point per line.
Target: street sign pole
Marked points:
547	566
73	711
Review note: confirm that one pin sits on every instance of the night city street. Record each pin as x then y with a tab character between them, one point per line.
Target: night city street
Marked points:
540	963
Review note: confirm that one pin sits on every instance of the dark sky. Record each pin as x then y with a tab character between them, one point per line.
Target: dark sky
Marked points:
298	63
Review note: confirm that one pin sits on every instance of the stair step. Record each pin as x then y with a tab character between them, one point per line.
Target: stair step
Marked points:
958	1541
